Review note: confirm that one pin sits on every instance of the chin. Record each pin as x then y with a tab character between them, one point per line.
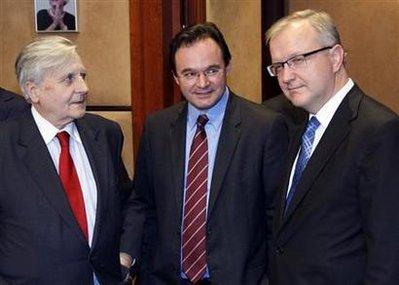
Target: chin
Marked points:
204	105
78	114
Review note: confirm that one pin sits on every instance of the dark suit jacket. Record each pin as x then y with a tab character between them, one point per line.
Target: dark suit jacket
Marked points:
11	105
342	225
294	116
246	173
41	242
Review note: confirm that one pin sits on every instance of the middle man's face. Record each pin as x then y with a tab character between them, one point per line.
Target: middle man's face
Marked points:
201	73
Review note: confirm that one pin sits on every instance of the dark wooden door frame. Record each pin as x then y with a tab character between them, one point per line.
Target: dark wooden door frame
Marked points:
272	10
152	27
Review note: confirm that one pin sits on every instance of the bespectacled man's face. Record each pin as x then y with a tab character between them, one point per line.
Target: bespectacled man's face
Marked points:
201	73
311	84
61	96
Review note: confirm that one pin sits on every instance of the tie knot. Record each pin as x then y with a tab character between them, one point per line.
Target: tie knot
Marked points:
63	138
313	124
202	120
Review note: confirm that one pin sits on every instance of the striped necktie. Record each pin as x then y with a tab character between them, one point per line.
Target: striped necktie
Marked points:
194	220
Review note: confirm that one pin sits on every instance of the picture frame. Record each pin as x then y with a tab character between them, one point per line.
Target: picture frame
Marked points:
56	16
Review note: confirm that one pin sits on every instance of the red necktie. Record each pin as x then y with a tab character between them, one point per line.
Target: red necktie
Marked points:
70	182
194	220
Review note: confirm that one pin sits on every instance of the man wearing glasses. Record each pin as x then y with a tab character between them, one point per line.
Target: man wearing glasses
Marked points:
206	174
337	219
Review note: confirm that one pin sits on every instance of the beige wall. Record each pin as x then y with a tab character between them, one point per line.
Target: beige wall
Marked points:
103	43
240	22
370	35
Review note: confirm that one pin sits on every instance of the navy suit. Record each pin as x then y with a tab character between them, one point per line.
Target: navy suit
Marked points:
40	240
246	173
11	105
293	116
342	225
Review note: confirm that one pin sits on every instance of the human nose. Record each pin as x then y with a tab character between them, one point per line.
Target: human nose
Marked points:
286	74
202	80
81	85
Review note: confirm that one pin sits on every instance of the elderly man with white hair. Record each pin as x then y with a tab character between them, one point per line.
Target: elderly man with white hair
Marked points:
61	177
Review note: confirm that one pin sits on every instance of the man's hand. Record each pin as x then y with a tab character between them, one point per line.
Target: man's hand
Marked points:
126	262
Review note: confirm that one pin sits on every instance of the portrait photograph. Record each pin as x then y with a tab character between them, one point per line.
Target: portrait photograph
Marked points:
56	16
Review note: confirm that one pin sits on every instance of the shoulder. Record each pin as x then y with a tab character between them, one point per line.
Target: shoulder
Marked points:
42	13
370	111
98	122
12	105
69	15
8	96
168	115
251	111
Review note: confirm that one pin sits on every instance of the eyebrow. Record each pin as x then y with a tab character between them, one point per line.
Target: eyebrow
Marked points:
208	67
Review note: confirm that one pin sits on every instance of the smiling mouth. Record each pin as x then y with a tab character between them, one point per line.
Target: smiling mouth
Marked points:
294	89
203	92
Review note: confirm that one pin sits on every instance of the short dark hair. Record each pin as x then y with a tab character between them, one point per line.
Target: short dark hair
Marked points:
194	33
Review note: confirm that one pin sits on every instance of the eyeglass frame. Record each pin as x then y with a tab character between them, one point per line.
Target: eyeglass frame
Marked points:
290	62
196	73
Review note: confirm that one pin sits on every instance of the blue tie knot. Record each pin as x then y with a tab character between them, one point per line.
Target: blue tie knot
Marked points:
304	155
313	124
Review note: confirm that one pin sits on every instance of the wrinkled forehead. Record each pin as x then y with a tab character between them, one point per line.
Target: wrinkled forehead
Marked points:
68	64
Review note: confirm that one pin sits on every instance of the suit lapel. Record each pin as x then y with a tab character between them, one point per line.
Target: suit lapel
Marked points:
229	137
292	152
34	154
98	158
334	135
178	146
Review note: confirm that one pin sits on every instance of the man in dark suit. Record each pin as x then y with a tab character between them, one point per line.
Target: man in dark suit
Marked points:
61	177
11	105
206	174
337	219
294	117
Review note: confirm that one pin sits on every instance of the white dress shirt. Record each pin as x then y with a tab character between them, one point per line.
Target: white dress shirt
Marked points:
80	160
324	116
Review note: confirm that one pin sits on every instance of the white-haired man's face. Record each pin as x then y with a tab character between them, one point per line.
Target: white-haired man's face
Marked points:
61	96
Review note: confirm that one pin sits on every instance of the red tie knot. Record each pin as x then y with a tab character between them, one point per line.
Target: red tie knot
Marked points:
202	120
63	138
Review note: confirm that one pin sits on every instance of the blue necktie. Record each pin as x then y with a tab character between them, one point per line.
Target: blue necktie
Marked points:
304	155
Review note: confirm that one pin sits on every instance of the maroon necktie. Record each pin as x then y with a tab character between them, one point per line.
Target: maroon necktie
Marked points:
70	182
194	220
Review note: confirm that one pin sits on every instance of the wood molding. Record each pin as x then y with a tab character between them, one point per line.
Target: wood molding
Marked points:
272	10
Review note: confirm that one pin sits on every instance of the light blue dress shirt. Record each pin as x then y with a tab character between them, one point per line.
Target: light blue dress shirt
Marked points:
212	129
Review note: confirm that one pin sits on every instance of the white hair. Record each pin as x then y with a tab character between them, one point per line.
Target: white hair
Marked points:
41	57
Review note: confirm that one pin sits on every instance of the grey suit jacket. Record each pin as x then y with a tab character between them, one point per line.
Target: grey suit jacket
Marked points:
342	225
246	174
41	242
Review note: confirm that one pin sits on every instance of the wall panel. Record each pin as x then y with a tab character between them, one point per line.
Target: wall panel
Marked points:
240	22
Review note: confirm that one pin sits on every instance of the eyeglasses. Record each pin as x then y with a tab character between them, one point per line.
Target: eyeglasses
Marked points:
209	73
293	62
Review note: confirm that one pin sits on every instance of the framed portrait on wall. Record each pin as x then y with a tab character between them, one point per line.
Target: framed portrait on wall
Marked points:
56	16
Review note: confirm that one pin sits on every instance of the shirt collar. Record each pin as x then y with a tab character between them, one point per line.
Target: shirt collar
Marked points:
49	131
215	114
325	114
